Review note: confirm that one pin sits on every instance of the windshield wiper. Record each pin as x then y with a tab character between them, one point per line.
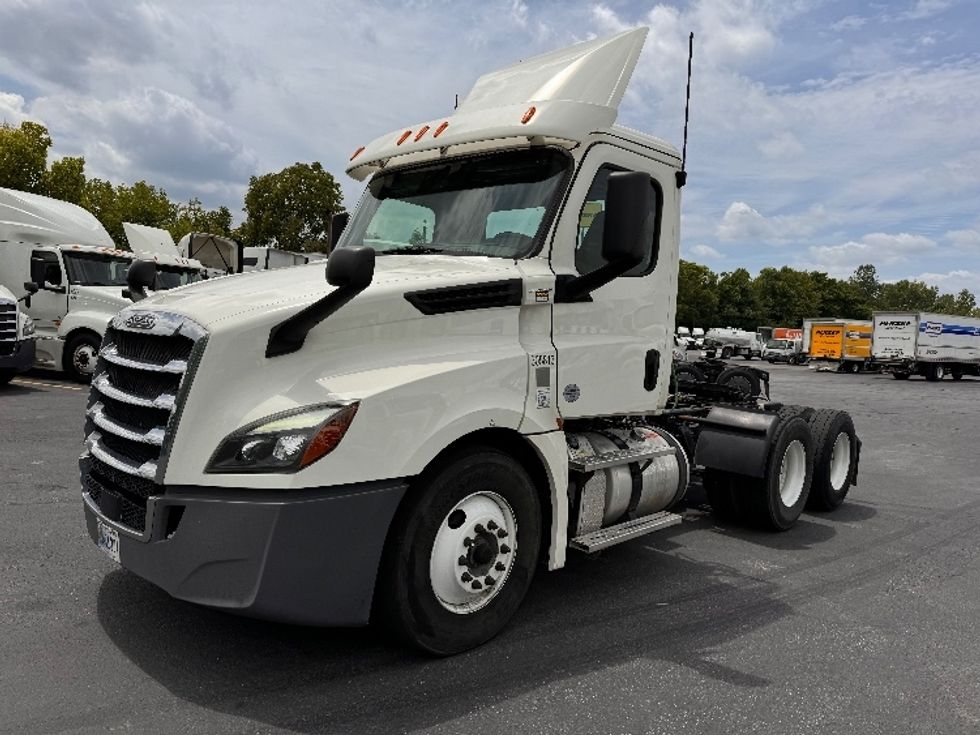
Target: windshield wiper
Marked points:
412	250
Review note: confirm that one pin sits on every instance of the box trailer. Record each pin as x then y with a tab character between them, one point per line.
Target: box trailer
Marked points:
933	345
844	346
463	394
807	330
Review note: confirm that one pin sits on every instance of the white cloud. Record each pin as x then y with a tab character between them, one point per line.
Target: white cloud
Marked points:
925	9
849	23
706	251
781	145
953	281
964	238
743	223
877	247
13	110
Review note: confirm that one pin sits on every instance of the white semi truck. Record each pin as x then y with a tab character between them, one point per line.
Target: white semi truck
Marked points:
406	434
157	245
907	343
262	258
79	274
16	335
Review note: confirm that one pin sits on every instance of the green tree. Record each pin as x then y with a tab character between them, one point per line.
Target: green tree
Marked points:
292	208
865	281
697	295
785	296
737	305
65	180
141	204
23	156
195	217
843	299
906	295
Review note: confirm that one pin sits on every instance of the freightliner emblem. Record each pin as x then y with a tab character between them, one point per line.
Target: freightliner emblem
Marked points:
141	321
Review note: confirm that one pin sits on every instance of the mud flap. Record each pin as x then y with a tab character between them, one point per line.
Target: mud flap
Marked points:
735	441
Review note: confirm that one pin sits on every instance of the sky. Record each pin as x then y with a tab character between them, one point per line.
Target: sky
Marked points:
824	133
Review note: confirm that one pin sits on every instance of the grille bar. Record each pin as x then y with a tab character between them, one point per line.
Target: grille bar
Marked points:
111	354
152	436
102	384
147	470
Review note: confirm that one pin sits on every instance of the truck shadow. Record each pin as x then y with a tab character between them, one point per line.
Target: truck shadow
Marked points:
631	602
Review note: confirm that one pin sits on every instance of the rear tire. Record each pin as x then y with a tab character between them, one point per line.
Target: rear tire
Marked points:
6	377
422	597
726	353
836	448
900	376
690	373
936	371
720	489
742	379
776	500
956	374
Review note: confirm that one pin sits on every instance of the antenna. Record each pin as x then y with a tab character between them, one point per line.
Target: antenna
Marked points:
456	103
682	174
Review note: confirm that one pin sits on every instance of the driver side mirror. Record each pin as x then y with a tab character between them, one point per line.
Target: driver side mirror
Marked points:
31	288
338	223
142	274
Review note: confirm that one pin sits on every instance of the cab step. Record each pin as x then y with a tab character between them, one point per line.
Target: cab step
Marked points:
616	458
605	537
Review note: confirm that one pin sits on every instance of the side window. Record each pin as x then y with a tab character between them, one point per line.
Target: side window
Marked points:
401	223
591	222
45	268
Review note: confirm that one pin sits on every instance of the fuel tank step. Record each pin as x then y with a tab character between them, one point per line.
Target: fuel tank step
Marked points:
605	537
617	457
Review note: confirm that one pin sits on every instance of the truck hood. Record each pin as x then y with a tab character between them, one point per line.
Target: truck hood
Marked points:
108	297
255	295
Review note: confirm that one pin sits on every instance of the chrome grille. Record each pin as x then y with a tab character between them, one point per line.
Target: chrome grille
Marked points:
143	371
8	327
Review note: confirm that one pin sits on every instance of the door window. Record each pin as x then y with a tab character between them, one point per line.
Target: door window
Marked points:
591	223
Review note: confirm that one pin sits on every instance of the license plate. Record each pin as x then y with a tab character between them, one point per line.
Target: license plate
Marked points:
108	541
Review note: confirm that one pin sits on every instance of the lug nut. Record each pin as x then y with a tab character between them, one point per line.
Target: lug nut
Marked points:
489	581
479	528
491	525
499	566
476	585
466	577
461	561
501	533
504	549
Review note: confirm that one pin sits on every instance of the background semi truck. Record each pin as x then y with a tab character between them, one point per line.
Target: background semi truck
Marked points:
406	434
16	336
923	343
79	274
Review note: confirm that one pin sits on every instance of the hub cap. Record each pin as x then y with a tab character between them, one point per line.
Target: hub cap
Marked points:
84	359
792	473
473	552
840	461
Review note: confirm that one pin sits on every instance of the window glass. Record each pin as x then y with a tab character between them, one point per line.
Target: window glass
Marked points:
397	223
92	269
591	222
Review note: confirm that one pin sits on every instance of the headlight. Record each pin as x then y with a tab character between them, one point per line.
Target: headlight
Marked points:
285	442
27	328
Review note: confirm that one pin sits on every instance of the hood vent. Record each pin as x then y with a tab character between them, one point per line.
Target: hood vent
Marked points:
465	298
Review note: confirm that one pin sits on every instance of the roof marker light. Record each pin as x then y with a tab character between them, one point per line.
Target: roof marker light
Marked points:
440	129
528	114
421	132
404	137
356	153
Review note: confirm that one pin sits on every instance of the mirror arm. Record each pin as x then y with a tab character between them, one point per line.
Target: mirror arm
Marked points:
569	289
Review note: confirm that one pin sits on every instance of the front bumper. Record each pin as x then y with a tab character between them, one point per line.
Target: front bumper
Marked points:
21	359
309	557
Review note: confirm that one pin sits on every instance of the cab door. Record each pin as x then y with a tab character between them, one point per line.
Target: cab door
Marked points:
614	349
50	304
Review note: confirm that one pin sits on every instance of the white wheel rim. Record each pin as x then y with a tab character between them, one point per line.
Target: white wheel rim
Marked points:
470	563
940	371
84	359
792	473
840	461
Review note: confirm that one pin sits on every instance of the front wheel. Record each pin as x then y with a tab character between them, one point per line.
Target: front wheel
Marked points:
81	355
935	372
726	353
462	553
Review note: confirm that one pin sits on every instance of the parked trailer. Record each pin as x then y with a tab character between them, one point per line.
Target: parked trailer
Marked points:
808	330
405	441
933	345
844	346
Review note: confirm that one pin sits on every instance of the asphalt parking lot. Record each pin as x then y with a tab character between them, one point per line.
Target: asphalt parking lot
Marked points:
862	621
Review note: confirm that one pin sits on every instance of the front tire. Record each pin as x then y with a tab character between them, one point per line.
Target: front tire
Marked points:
462	553
935	372
81	355
741	379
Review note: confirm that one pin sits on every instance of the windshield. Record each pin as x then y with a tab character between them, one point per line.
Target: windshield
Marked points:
171	277
496	205
96	269
779	344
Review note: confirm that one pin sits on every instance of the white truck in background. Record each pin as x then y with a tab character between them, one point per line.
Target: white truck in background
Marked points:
220	255
157	245
78	272
907	343
16	334
730	342
262	258
407	434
